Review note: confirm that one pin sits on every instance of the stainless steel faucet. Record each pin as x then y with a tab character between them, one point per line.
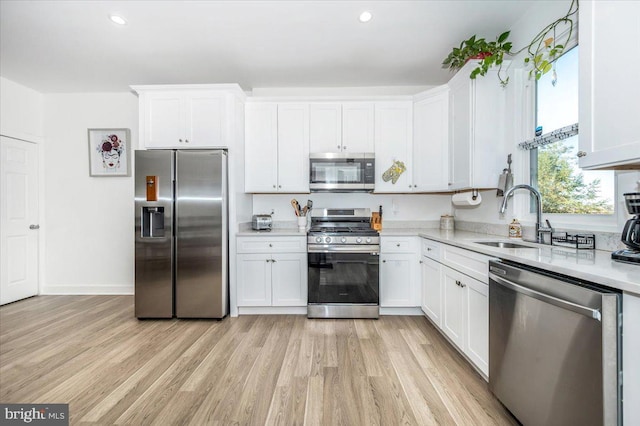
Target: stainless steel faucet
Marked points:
540	228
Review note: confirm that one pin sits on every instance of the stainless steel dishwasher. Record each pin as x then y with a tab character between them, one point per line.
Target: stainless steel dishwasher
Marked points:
554	347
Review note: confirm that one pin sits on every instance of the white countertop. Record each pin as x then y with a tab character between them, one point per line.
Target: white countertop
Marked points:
589	265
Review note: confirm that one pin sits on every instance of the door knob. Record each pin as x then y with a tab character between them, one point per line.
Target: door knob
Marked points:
581	154
34	226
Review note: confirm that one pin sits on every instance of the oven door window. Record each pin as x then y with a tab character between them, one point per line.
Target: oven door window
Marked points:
336	171
350	278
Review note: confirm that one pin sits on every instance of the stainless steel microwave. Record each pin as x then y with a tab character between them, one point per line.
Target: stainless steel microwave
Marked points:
342	172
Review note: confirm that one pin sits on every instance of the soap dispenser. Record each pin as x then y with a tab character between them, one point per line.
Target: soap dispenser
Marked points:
515	229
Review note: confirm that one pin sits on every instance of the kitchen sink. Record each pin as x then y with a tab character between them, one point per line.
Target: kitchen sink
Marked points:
504	244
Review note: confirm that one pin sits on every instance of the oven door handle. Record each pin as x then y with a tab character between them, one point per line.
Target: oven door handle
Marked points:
579	309
344	249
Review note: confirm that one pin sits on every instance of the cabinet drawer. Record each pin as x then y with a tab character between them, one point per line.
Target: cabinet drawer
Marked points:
398	245
474	264
271	244
431	249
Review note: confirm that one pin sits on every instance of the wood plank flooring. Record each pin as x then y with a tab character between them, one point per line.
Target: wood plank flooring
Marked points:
90	352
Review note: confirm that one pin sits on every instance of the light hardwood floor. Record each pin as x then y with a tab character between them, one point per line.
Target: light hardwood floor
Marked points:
90	352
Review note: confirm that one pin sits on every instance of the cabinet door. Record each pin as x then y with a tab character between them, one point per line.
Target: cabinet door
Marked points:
431	290
357	127
453	298
431	141
164	120
254	279
325	127
393	134
488	147
289	279
293	147
477	322
261	147
609	90
460	131
397	280
205	120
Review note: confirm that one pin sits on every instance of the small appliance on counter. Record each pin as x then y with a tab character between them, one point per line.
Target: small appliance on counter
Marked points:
261	222
630	232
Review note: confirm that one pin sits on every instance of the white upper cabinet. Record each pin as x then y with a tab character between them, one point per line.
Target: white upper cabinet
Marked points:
393	137
261	147
431	140
341	127
325	127
357	127
186	116
609	90
477	148
276	147
293	147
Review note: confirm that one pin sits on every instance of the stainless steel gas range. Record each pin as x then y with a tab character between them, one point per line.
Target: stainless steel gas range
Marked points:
343	258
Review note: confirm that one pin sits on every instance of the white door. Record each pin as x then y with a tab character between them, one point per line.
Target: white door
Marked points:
163	118
453	315
396	280
205	120
254	279
432	290
393	135
289	279
357	127
19	220
261	147
431	142
325	128
460	133
477	317
293	147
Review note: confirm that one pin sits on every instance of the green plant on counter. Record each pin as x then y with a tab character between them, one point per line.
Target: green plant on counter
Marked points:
541	51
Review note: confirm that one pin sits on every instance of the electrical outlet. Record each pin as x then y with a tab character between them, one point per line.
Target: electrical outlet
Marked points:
273	211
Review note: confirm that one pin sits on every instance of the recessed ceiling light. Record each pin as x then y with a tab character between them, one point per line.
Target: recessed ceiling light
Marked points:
117	19
365	16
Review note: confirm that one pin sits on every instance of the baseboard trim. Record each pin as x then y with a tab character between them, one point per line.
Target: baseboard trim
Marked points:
410	311
272	310
81	290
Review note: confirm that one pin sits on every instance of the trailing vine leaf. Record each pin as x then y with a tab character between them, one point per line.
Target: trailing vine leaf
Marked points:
541	51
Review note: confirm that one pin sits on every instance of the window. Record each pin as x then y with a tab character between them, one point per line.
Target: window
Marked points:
564	187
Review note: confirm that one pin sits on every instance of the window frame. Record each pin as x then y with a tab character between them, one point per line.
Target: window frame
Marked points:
589	222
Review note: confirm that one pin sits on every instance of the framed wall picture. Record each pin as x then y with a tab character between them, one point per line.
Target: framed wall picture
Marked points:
109	152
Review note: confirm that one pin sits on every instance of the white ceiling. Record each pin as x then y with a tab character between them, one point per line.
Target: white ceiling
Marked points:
72	46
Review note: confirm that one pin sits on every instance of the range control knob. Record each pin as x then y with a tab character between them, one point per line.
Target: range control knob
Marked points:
368	240
358	240
327	240
343	240
318	239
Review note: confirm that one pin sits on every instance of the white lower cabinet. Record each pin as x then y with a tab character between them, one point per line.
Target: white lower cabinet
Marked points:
399	272
269	277
457	303
431	290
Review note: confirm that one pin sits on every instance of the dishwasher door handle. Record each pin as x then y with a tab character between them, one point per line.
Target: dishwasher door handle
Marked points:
583	310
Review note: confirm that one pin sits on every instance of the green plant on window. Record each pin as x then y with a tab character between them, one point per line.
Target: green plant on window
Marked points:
541	51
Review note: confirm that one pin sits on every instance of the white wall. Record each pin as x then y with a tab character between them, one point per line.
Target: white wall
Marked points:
21	111
88	221
399	207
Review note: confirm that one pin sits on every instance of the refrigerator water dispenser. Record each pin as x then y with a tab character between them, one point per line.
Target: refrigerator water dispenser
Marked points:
152	222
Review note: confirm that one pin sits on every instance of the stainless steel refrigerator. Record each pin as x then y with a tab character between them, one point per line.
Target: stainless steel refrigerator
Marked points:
181	235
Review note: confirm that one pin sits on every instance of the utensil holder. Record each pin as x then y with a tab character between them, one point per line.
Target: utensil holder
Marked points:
302	223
